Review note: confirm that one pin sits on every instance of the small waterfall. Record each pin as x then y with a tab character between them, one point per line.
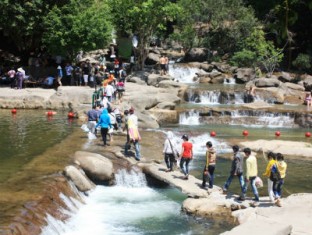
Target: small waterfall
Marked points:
214	97
262	118
132	179
229	81
189	118
183	74
130	208
210	97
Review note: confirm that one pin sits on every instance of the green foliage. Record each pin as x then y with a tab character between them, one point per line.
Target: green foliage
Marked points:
244	58
78	25
302	62
214	24
143	18
257	51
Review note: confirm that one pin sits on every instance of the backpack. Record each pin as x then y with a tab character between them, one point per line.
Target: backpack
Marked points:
124	73
275	174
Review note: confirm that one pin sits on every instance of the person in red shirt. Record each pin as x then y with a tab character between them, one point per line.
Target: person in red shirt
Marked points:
186	155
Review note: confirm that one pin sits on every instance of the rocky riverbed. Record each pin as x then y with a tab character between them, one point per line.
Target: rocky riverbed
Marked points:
154	105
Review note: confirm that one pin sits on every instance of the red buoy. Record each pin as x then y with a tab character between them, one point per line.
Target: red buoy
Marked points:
308	134
50	113
245	133
70	115
13	111
213	133
277	133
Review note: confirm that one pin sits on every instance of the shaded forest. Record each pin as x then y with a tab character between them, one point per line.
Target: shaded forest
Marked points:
247	31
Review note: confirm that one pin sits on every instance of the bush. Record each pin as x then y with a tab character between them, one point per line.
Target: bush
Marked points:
302	62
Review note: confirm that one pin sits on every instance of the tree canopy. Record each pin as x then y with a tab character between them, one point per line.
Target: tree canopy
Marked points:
67	26
78	25
142	18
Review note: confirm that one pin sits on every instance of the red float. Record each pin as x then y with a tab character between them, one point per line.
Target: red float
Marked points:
277	133
245	133
70	115
50	113
13	111
213	133
308	134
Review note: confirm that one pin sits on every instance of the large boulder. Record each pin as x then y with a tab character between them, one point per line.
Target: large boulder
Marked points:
79	178
244	75
196	54
96	166
285	77
164	116
273	94
152	58
135	79
154	79
294	86
267	82
223	67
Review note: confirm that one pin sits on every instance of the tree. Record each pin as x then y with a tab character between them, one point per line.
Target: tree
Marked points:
214	24
142	18
257	51
21	22
78	25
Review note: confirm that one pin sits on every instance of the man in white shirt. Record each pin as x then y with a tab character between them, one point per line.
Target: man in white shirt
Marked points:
109	90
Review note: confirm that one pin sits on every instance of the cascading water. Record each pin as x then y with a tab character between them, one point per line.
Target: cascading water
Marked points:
183	74
189	118
130	207
260	119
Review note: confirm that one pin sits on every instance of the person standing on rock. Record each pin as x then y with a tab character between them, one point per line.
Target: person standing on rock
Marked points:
162	62
251	173
272	160
210	165
186	155
236	170
104	122
170	151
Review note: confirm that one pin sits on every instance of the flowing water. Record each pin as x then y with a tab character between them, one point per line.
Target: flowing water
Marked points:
131	207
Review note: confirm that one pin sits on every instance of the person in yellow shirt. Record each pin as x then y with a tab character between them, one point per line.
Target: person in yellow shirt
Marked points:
272	161
251	173
210	165
282	167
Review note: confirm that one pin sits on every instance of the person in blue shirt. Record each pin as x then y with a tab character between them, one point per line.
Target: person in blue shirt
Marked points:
104	122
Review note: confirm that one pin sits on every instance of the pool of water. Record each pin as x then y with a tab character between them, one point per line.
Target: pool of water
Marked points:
26	135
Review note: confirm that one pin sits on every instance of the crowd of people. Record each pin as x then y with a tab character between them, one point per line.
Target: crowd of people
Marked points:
275	171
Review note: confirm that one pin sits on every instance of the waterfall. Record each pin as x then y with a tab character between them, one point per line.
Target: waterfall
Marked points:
132	179
184	74
189	118
130	207
262	118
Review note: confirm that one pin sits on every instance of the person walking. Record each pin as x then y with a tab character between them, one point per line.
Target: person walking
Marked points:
92	117
186	156
236	170
271	161
134	134
170	151
210	165
104	122
278	185
251	173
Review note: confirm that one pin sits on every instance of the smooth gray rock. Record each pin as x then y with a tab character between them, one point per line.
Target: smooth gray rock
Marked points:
82	182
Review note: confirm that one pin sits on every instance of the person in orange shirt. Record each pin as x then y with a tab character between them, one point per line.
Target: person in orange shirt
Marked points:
186	155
